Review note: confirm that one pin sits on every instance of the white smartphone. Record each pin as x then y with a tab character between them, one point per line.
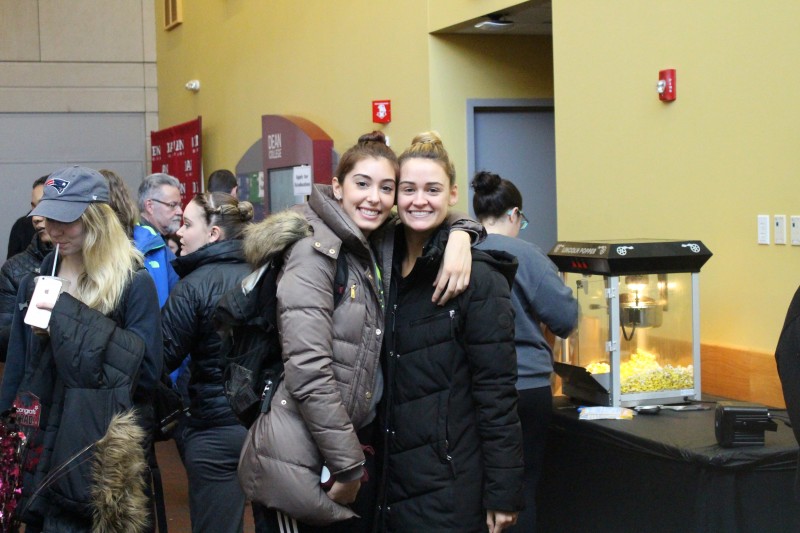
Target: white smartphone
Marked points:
47	290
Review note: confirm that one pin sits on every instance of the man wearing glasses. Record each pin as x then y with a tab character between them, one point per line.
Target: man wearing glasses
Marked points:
160	203
159	215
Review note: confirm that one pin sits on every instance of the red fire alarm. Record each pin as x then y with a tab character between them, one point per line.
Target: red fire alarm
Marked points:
667	91
382	111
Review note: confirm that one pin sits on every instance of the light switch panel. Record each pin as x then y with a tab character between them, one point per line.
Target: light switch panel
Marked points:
763	229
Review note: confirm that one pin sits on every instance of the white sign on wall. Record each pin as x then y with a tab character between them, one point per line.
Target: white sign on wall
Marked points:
301	180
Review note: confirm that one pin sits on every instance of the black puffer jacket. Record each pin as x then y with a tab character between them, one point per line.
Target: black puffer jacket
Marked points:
68	386
16	268
453	437
188	327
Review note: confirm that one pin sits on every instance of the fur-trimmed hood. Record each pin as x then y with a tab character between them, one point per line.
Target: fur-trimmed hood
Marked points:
120	503
273	235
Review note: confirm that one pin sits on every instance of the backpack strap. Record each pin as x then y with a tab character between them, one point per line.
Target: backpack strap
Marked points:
340	279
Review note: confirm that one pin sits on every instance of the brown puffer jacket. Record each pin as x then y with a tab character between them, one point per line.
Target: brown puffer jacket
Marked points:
331	366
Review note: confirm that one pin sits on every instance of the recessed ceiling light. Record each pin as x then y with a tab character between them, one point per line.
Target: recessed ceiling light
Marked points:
495	22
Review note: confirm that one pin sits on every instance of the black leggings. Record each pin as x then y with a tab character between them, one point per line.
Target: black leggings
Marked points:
535	409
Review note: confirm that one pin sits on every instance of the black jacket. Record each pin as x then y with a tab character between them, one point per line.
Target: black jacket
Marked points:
20	236
16	268
70	384
453	438
188	325
787	357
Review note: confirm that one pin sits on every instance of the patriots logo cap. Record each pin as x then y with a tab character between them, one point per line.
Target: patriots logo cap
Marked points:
69	191
58	183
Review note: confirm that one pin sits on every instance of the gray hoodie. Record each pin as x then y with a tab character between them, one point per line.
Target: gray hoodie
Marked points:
539	297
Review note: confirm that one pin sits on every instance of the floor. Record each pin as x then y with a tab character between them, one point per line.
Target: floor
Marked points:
176	493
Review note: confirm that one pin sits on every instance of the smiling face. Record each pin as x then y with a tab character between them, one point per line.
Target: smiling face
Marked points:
68	236
424	195
195	231
366	193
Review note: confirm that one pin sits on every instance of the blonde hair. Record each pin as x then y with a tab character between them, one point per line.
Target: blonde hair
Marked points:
428	145
109	259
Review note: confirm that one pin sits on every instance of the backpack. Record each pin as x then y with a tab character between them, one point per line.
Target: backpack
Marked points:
250	354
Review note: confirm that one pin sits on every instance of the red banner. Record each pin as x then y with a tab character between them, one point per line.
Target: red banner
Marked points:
176	151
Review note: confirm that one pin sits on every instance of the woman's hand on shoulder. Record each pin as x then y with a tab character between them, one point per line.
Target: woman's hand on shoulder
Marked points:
455	270
497	521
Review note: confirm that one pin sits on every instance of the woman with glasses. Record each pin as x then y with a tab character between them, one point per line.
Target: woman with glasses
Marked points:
540	298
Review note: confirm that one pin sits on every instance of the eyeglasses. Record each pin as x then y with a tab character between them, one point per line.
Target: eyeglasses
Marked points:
524	223
171	205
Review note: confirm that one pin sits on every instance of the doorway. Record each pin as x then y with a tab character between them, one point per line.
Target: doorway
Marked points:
516	139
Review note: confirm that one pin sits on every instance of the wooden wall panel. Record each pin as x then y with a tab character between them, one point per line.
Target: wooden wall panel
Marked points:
741	375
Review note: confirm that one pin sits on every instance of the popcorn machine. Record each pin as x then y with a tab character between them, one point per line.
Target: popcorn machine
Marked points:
638	335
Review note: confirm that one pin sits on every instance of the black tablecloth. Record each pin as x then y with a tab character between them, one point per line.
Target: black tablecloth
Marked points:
664	472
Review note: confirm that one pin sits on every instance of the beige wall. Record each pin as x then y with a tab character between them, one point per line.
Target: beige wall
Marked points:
702	167
77	85
78	56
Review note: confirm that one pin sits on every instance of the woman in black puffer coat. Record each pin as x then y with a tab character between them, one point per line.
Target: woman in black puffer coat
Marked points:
453	450
211	263
12	273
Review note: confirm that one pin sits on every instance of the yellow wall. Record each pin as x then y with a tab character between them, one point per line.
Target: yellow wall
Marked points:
320	61
701	167
628	165
327	64
480	66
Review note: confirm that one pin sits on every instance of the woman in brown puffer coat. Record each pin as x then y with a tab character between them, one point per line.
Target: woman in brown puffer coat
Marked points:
321	418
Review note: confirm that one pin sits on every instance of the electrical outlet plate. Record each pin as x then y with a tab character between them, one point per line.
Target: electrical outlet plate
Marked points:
779	222
763	229
795	222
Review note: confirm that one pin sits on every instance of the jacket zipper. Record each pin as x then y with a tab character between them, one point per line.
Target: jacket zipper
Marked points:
449	457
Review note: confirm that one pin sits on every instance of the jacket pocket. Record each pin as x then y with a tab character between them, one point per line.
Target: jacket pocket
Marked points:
428	332
443	432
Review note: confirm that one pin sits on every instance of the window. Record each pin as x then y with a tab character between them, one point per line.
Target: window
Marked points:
173	13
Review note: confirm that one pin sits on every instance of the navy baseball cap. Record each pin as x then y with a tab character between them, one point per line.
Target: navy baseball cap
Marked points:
69	191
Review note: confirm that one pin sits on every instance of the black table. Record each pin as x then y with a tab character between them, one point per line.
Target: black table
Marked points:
664	473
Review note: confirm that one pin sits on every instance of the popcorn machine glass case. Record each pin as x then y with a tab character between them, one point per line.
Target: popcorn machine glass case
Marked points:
638	335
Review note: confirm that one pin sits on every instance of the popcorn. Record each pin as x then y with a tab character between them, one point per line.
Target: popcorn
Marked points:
643	373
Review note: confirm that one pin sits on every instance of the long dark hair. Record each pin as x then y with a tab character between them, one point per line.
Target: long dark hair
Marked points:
494	195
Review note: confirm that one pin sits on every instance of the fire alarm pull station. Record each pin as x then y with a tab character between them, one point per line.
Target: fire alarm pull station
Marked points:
381	111
667	91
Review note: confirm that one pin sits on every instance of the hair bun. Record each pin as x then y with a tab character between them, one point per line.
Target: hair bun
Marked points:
428	137
245	211
486	182
373	137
